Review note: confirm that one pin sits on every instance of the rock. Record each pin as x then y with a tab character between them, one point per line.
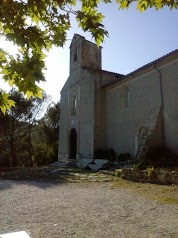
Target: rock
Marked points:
94	167
100	161
176	179
86	161
161	178
82	165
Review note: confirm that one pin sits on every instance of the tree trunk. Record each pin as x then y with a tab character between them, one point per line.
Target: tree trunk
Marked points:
30	146
12	160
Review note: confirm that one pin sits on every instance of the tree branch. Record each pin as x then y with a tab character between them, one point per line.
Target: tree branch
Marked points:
6	53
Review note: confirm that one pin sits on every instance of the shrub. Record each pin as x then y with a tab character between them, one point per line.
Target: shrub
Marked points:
124	157
150	171
4	159
43	155
158	157
108	154
118	173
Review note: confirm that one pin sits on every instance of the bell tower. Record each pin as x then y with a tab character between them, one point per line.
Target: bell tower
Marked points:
84	54
77	106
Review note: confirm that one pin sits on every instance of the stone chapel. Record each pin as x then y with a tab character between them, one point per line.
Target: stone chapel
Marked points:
101	109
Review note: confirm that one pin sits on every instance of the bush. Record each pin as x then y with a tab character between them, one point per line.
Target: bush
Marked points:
108	154
150	171
118	173
4	159
124	157
43	155
158	157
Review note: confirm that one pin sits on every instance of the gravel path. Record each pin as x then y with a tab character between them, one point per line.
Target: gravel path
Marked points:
82	210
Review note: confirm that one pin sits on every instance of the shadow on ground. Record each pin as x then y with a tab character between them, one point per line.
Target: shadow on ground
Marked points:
45	177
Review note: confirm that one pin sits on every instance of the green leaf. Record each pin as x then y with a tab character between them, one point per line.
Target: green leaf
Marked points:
35	26
5	102
39	94
29	94
3	109
11	82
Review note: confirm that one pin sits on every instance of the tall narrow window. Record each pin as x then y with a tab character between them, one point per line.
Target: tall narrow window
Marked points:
73	105
75	53
125	97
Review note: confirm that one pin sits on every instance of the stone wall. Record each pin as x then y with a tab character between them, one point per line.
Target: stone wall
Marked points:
169	76
123	124
151	133
158	176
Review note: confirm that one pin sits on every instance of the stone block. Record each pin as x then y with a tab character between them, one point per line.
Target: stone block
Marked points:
161	178
82	165
169	178
86	161
101	161
95	167
176	179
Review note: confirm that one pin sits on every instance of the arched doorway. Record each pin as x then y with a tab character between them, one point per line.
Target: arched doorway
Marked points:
72	144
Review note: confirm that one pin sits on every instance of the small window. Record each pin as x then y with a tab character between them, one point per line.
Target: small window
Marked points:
125	97
75	53
73	105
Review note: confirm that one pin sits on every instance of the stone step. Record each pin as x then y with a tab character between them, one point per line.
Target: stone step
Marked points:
63	164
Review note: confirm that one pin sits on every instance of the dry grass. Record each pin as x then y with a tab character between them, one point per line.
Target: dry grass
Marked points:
158	193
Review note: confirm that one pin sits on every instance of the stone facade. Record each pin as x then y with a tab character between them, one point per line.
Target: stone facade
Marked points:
101	109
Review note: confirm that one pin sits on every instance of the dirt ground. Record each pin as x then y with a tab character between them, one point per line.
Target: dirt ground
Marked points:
88	209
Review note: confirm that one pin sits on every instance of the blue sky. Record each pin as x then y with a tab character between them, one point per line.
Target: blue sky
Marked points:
134	39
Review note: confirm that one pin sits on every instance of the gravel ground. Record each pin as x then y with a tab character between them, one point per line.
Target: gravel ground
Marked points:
82	210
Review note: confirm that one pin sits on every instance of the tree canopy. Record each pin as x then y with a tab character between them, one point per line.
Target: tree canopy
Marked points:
28	137
34	26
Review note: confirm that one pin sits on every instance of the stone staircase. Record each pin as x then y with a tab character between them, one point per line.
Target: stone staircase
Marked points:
151	135
93	164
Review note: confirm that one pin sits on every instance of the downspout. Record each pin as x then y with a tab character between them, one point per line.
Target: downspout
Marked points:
78	117
93	121
162	106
